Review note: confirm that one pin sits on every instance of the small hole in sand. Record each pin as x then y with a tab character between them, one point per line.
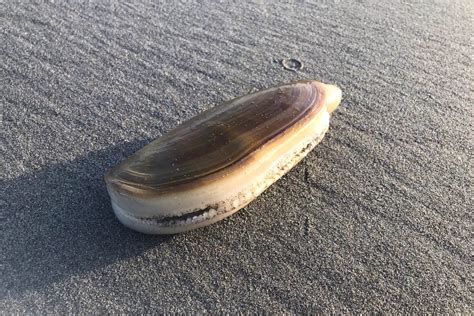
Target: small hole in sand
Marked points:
291	64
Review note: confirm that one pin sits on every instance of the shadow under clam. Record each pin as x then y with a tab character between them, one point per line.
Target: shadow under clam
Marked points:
58	222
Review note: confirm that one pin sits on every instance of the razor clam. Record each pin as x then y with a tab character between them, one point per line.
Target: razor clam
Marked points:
219	161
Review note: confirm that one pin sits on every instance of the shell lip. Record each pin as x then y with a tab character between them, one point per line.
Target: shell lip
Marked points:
123	187
181	220
170	224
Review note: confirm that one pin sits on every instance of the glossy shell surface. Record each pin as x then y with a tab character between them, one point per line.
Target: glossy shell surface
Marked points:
217	138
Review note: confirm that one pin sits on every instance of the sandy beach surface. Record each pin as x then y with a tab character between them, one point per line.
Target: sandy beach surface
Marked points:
377	218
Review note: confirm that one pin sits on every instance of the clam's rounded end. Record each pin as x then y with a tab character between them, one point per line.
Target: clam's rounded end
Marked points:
332	97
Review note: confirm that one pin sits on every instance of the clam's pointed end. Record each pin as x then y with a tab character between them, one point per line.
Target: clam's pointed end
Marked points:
332	96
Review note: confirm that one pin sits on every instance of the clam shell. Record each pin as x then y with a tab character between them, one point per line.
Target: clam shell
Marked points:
217	162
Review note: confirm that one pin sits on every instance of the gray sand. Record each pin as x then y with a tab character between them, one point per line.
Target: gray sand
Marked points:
376	218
